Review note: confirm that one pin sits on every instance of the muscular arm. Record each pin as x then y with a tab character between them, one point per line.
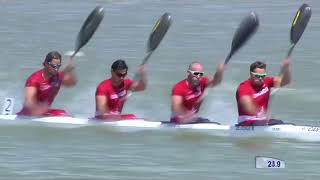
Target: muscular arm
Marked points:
31	103
141	83
217	78
103	111
101	105
284	77
180	111
69	78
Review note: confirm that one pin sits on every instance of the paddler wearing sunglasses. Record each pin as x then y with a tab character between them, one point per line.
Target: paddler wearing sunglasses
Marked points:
186	94
42	86
111	94
253	94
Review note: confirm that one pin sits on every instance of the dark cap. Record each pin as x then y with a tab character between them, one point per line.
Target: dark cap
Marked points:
52	55
119	65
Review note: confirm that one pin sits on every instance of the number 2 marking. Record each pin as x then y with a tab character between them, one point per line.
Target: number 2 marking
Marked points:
7	109
8	106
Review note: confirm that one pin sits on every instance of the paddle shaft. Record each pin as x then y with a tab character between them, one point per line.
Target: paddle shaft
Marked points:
73	54
146	58
290	50
228	58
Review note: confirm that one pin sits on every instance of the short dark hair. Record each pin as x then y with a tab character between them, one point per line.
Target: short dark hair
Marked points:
52	55
257	64
119	65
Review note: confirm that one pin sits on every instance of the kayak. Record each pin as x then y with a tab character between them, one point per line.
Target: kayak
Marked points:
73	121
304	133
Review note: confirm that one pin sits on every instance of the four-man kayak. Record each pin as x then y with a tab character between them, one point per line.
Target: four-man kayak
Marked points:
305	133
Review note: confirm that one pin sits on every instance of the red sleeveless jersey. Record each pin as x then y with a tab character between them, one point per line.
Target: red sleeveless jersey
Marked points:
47	89
190	96
260	95
116	96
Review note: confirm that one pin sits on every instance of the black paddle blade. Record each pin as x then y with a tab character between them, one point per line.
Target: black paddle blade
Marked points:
89	27
159	31
299	23
246	29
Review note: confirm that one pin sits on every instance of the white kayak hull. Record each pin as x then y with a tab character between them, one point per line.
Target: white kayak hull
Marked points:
306	133
72	121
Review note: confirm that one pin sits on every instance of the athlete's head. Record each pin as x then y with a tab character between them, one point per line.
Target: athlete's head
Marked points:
257	73
52	62
119	70
195	72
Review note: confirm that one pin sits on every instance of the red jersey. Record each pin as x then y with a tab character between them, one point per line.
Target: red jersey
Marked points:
116	97
260	97
47	89
190	96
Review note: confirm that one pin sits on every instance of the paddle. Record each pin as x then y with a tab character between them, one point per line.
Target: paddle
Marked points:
298	26
158	32
246	29
248	26
88	28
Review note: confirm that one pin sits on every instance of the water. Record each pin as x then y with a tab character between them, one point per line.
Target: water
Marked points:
201	30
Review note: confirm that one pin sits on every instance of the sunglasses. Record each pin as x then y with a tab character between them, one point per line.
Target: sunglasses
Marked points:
121	74
54	66
258	75
196	73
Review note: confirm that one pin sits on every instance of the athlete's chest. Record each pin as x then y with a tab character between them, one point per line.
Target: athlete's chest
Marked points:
116	94
46	85
261	94
191	94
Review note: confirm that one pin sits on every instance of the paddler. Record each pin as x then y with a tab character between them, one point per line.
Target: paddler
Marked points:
42	86
112	93
253	94
188	94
